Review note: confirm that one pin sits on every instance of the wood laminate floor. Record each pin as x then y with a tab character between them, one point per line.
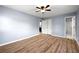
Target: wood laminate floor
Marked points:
42	43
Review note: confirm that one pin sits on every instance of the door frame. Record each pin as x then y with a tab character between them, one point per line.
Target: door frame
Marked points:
73	18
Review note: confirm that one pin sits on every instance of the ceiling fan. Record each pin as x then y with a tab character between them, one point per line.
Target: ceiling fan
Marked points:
43	8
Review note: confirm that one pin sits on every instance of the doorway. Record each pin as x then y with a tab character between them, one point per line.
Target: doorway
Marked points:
70	27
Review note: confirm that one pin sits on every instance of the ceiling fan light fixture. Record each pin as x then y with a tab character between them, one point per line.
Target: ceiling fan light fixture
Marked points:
42	11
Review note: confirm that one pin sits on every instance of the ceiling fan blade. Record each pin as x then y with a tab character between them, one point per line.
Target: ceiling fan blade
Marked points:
48	9
38	7
37	10
47	6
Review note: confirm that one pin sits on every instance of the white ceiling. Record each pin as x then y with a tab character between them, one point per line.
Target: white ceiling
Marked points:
56	9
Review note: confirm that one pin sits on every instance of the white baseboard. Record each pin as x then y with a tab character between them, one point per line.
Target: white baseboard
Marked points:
77	42
28	37
59	36
17	40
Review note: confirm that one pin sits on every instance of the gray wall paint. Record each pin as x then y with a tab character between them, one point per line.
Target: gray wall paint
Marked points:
77	23
58	24
15	25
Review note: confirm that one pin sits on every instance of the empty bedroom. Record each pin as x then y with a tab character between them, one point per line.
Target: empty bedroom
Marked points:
39	28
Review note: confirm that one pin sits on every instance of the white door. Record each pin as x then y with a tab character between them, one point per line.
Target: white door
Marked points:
70	27
46	26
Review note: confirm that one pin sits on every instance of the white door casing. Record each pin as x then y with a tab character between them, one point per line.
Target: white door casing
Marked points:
70	27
